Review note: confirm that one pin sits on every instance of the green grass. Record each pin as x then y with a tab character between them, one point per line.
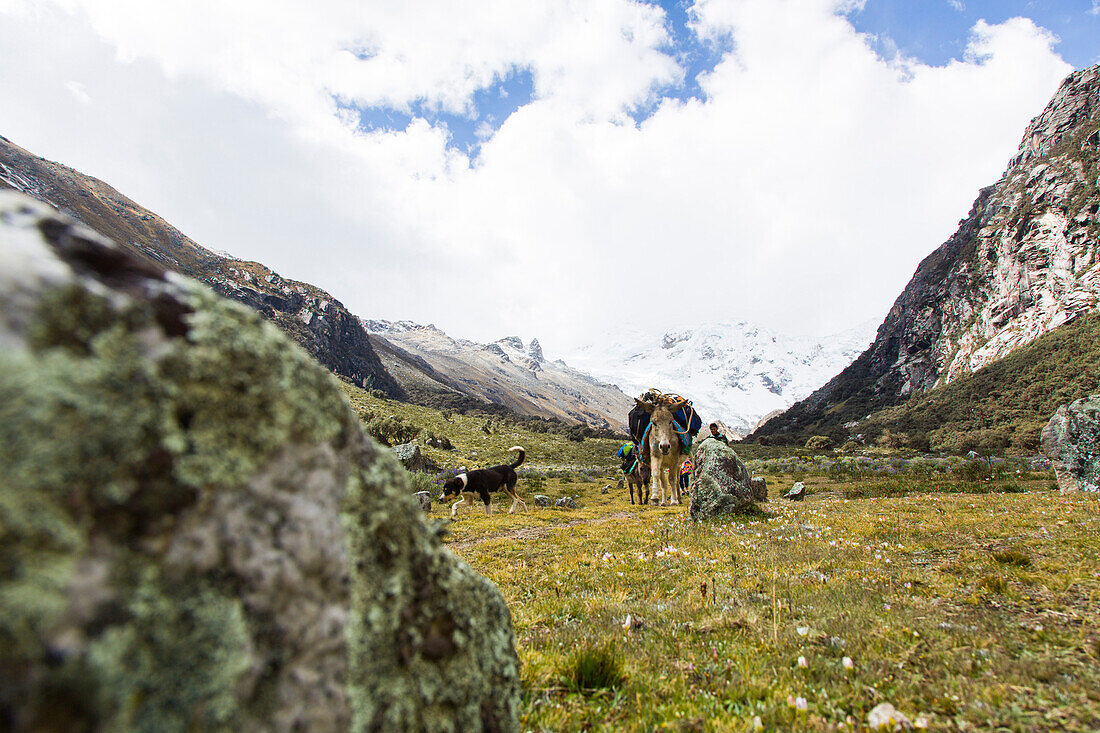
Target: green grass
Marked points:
969	603
473	448
975	609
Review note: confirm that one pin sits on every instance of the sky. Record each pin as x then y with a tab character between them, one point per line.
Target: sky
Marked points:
551	168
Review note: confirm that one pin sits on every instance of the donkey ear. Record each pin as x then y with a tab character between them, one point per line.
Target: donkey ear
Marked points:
644	405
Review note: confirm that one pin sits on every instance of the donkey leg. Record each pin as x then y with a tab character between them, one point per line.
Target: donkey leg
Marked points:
655	481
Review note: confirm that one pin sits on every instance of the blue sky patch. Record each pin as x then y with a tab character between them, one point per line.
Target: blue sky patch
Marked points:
491	106
932	31
936	31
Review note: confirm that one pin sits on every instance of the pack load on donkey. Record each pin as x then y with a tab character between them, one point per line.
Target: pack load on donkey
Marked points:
676	424
686	418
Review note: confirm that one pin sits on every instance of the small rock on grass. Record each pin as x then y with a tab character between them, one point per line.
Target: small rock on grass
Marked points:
797	492
884	717
541	500
566	502
425	500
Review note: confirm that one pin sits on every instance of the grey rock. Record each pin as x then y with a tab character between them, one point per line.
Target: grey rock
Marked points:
424	498
1071	440
413	459
566	502
720	481
621	484
541	500
242	572
606	489
884	717
759	486
797	492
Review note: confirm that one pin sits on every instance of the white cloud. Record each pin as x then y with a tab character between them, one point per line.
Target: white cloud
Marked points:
957	5
801	194
78	91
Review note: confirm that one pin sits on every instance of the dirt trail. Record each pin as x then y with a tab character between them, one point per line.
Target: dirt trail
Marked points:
530	533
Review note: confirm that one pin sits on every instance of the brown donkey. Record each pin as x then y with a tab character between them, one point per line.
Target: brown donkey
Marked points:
639	477
665	450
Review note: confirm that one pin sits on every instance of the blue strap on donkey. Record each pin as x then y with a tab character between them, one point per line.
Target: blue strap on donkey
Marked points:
687	420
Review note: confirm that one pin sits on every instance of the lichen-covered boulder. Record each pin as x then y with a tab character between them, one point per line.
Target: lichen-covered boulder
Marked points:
413	459
541	500
196	533
720	481
759	486
566	502
1071	440
424	499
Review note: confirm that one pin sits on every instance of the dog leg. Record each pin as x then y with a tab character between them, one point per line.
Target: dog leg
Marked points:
454	507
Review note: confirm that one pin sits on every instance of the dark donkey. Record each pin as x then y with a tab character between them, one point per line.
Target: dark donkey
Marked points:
639	477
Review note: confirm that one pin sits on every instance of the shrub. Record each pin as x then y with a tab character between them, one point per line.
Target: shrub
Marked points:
819	442
392	430
972	471
421	482
593	668
576	433
439	441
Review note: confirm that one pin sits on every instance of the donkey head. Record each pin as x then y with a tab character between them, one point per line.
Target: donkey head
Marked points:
663	431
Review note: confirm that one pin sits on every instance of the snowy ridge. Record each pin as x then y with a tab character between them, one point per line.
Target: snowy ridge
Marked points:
734	372
509	372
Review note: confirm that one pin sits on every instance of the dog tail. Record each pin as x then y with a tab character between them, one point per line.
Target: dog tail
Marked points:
522	455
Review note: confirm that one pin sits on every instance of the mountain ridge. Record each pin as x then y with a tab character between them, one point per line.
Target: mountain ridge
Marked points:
734	372
311	316
1022	263
506	372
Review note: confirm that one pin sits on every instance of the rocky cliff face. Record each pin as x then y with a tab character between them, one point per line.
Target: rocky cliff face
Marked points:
311	316
1022	263
506	372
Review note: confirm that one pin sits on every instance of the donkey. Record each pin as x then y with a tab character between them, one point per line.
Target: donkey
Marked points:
665	451
639	477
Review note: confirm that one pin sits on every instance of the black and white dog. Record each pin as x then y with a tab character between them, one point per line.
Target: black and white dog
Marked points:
482	482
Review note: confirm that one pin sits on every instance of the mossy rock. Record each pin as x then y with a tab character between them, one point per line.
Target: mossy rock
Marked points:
196	533
1071	440
720	481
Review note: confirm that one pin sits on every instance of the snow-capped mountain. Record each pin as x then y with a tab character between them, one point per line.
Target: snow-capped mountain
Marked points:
506	372
734	372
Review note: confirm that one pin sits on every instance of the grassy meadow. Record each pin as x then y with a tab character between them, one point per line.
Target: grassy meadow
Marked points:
968	600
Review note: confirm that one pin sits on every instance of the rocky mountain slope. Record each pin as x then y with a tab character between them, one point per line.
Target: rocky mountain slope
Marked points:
308	314
734	372
1021	264
506	372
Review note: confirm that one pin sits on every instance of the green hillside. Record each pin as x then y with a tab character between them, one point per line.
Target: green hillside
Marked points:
1003	406
482	439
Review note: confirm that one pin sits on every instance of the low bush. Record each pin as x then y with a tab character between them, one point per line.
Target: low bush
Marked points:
593	668
392	430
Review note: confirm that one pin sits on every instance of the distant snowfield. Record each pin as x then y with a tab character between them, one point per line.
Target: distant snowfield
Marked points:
734	372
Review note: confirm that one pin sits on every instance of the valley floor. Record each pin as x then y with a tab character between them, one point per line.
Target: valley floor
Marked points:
964	610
